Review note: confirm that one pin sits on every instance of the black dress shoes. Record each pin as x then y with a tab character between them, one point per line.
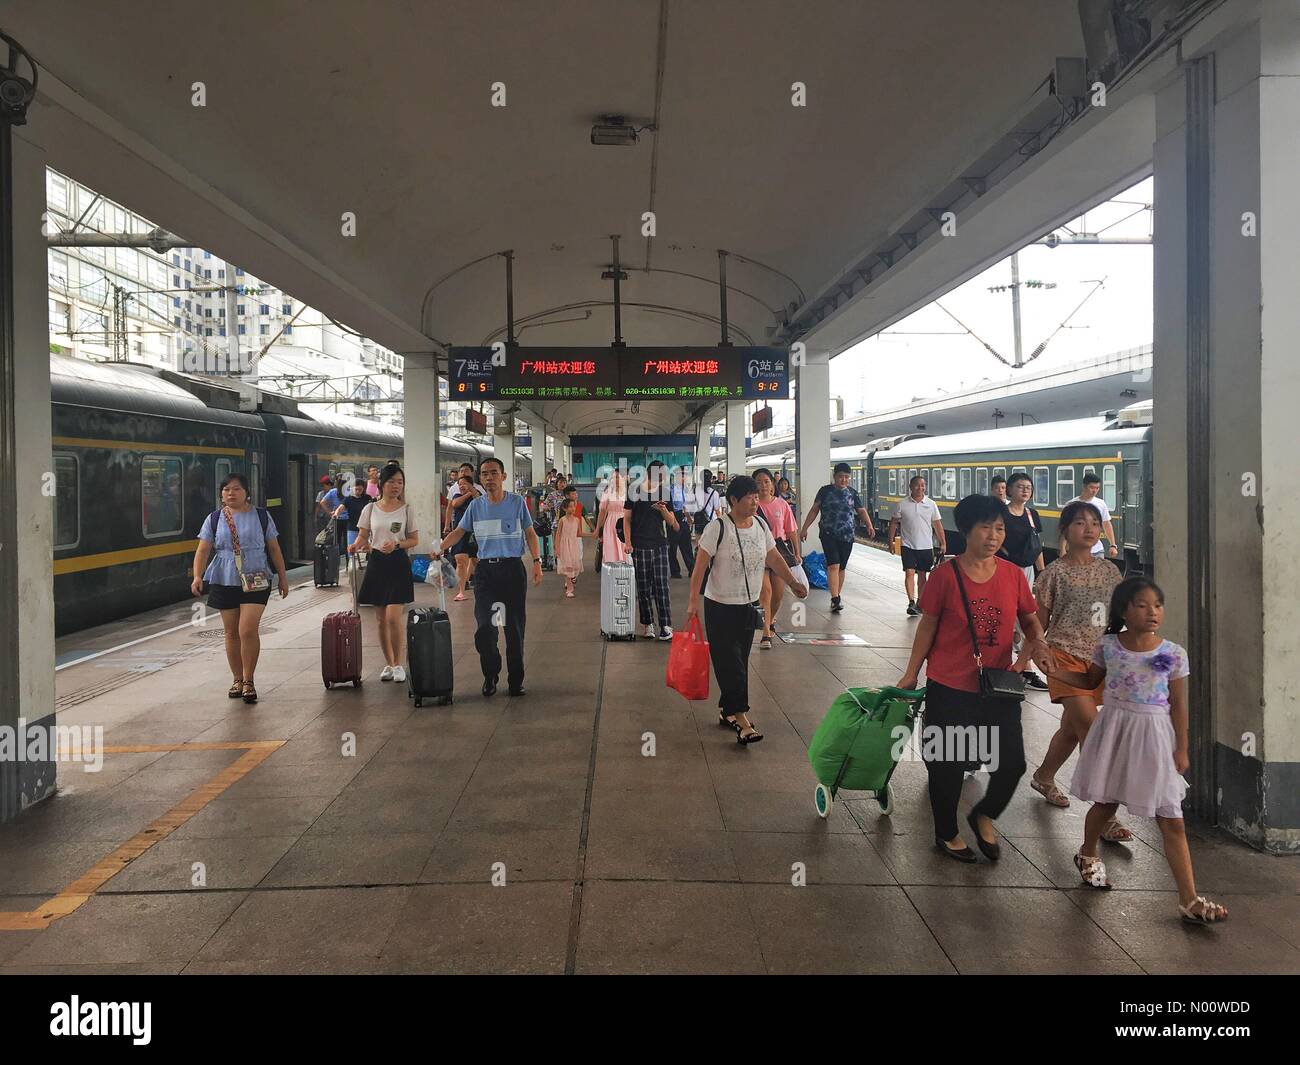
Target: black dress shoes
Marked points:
517	689
991	851
489	685
964	855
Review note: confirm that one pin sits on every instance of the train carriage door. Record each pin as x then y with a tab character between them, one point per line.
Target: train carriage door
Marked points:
1131	505
295	513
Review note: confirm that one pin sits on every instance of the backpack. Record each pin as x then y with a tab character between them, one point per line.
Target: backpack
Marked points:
263	516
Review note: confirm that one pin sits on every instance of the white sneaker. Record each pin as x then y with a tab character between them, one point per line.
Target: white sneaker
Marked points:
386	673
650	633
666	633
399	674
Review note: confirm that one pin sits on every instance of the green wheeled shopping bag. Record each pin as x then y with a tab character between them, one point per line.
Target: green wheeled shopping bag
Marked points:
858	743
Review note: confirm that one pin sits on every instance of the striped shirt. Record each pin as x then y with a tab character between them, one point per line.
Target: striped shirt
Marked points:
498	527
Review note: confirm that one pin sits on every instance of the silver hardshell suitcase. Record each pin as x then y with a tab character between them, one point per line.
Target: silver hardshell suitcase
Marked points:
617	601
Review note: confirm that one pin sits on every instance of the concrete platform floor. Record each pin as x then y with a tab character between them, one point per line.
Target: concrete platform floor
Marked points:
379	854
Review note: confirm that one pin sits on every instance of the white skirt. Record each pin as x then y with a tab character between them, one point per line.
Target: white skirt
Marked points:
1128	758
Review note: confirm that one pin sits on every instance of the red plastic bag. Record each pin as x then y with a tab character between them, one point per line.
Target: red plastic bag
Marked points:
688	662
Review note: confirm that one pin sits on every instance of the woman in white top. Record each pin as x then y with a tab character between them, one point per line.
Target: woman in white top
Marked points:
387	530
734	551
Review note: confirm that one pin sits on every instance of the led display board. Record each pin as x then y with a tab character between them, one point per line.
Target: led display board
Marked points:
631	373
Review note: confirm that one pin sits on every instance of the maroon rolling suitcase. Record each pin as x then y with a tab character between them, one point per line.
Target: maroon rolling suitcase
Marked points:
340	639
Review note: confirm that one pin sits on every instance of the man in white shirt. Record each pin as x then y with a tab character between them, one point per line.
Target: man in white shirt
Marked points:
1092	494
922	526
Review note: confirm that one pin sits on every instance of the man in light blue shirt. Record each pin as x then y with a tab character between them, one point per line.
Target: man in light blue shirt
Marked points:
501	525
680	498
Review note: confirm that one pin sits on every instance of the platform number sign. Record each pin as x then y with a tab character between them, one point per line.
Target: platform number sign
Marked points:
472	375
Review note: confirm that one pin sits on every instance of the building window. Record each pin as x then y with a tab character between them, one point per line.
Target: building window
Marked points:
176	260
239	272
287	308
189	266
1042	486
67	502
221	331
264	309
263	329
177	321
189	305
982	482
207	312
207	255
60	318
1108	487
176	301
207	274
207	332
221	312
242	330
1064	485
56	190
160	496
288	329
239	309
221	275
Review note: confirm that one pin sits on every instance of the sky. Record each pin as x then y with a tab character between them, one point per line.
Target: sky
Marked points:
928	353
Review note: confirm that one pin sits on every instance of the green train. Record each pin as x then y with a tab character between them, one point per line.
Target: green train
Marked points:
1115	446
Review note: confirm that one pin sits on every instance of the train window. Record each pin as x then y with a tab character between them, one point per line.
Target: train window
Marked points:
893	482
1064	485
67	502
1108	486
1042	486
1089	469
224	468
982	482
255	481
1000	471
950	483
161	503
936	483
965	489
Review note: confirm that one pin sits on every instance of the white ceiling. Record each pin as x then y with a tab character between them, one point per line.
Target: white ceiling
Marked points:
384	109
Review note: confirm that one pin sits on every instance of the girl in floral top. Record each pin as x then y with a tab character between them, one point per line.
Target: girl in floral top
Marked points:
1136	750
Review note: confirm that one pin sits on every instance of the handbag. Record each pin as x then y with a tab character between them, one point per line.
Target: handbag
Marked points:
1004	685
1034	541
329	533
757	614
254	581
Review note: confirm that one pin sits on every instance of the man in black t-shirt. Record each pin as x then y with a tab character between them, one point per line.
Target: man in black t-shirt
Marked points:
645	533
354	505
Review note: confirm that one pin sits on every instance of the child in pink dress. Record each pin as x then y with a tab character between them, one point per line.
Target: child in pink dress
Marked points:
1136	750
569	534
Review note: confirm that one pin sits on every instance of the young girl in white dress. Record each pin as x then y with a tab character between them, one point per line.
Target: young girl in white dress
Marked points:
1136	750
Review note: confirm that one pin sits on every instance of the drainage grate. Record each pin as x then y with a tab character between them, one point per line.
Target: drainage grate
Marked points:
217	634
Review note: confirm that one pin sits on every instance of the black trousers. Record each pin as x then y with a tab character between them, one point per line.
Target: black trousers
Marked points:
730	632
500	598
680	541
953	708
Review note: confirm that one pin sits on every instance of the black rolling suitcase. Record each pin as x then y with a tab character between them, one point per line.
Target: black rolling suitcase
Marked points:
428	653
326	568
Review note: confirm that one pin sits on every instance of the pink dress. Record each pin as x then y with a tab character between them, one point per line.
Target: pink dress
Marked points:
612	547
568	547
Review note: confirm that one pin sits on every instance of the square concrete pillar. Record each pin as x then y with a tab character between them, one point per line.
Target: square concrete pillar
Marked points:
420	445
1227	386
736	450
812	433
27	519
503	447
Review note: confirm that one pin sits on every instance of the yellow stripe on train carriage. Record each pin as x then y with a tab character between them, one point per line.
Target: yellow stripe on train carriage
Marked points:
1018	460
81	563
1115	516
146	447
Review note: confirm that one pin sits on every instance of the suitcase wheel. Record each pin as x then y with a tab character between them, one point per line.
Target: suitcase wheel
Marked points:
886	799
356	682
328	685
823	800
419	701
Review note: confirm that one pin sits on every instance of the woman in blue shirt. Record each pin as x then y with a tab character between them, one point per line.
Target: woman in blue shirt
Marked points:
227	576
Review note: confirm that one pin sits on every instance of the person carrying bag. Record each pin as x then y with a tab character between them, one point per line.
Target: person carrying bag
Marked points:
688	662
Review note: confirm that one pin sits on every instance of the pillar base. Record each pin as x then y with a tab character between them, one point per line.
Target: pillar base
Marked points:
1259	802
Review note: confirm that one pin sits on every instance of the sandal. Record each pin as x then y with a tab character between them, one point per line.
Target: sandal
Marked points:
236	690
568	595
1053	794
726	722
249	693
459	597
1114	832
1209	913
765	644
753	737
1093	872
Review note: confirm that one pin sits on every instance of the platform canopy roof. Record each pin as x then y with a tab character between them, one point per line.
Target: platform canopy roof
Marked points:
386	110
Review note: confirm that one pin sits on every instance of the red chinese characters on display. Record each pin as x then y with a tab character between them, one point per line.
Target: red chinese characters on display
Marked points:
680	366
557	366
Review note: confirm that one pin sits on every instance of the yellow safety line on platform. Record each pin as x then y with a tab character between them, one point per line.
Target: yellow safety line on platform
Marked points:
84	888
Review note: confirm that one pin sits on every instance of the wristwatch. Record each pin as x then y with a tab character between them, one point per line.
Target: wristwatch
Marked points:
537	561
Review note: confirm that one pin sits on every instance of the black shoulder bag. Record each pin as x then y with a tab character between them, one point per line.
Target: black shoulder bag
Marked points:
1004	685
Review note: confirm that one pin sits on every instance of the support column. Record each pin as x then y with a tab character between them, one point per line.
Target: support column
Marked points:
1227	385
812	433
548	457
27	521
420	401
503	446
703	450
736	450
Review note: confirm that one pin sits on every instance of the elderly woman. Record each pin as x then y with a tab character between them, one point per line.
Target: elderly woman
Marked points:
237	546
981	591
734	551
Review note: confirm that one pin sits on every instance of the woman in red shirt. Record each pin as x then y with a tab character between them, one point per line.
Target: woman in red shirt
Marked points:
998	594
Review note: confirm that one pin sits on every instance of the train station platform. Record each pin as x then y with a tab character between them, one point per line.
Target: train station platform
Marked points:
346	831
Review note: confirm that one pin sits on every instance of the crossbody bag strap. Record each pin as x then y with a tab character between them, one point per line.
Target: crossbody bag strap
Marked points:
744	570
970	620
234	540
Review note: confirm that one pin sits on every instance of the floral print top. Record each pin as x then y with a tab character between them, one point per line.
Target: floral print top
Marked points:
1078	602
1140	676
